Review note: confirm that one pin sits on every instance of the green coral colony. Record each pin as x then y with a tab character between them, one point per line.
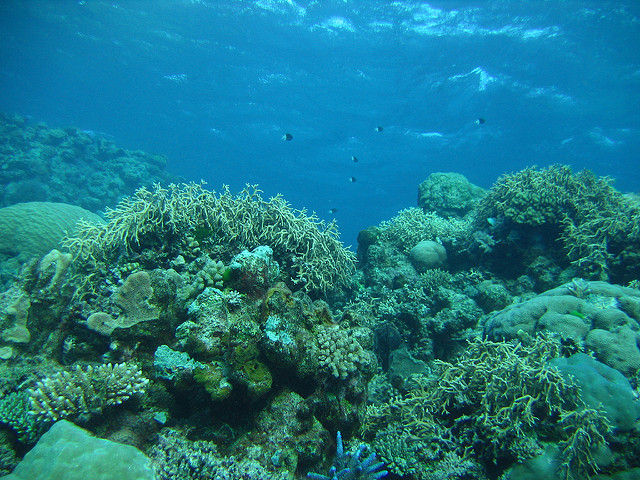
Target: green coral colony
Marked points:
480	335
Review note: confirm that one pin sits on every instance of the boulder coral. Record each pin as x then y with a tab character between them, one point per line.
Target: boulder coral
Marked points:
603	317
427	254
449	194
47	226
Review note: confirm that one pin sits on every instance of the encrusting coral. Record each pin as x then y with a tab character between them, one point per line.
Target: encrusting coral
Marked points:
307	247
133	298
19	312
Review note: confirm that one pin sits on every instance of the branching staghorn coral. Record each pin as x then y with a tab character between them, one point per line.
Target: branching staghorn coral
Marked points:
595	222
306	245
585	429
413	225
84	392
493	403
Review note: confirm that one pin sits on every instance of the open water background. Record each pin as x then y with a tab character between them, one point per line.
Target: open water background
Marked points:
215	84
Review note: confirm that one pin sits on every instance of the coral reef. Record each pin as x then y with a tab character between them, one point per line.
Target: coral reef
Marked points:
597	225
490	405
69	165
307	248
253	333
449	194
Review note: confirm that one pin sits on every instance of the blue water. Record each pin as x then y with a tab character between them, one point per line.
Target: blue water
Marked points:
215	84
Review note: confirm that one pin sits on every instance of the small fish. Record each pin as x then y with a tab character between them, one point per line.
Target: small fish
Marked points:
379	129
94	134
578	314
287	137
352	179
333	210
480	121
354	159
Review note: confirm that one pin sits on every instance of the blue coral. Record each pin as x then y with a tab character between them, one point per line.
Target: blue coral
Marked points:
349	466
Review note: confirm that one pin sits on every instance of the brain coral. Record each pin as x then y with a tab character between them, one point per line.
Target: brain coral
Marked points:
35	228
